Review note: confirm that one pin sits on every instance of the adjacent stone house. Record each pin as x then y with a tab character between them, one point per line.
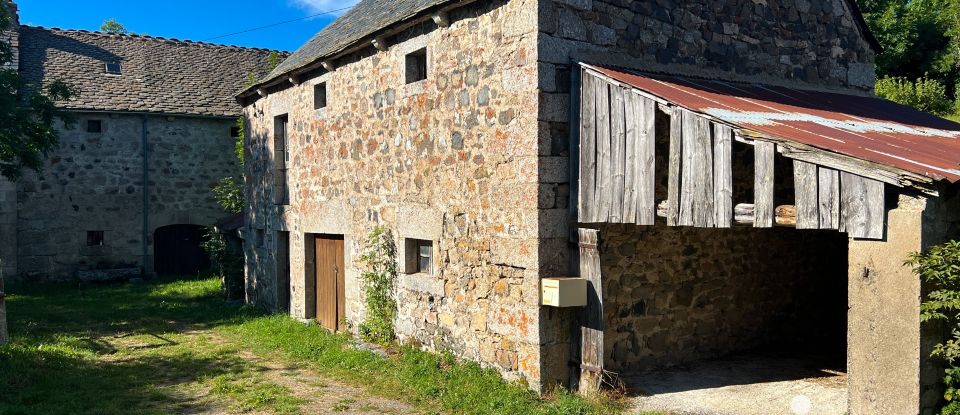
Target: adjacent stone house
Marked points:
473	130
130	185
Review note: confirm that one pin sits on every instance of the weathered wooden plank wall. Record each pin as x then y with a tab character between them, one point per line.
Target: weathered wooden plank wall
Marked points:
602	196
862	212
805	187
764	153
617	153
828	199
673	168
588	150
646	159
591	343
722	176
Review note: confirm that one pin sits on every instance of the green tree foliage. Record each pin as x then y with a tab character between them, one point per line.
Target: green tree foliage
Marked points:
111	25
921	41
27	115
939	267
378	278
925	94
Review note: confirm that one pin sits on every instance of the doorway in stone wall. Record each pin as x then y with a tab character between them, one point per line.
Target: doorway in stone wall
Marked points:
283	271
327	263
178	251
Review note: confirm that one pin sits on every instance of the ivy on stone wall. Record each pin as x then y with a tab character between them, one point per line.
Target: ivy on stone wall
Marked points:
378	279
940	268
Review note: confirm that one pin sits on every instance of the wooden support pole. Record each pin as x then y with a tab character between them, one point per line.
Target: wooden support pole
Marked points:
764	153
673	168
805	181
591	354
646	162
588	151
722	175
688	167
703	210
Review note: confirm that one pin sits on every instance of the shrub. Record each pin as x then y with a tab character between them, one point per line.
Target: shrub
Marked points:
378	277
940	268
926	94
228	263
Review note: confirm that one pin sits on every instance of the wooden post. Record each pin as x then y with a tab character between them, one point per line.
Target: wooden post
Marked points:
588	151
633	104
673	169
703	211
764	153
688	168
722	175
591	343
805	182
862	209
646	163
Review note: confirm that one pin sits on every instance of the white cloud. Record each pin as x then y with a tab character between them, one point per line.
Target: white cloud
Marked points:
320	6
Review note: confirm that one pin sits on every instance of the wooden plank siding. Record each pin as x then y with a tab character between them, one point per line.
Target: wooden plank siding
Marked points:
862	210
764	153
602	196
646	160
828	200
617	154
673	169
633	108
722	176
805	189
588	151
591	341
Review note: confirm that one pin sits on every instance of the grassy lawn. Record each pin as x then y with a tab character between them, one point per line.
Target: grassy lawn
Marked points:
176	347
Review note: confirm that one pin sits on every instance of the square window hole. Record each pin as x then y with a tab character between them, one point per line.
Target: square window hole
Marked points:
418	256
94	126
416	66
94	238
320	96
113	68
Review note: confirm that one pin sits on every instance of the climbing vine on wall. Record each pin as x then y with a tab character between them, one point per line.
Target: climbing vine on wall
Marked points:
940	268
379	275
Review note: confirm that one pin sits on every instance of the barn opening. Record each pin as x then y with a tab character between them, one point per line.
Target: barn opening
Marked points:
178	250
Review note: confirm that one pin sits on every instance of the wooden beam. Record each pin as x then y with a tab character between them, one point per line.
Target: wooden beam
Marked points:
588	151
602	196
805	182
862	209
294	80
673	168
722	176
828	189
328	65
688	167
744	214
617	154
591	342
441	18
764	153
633	106
380	43
646	161
703	206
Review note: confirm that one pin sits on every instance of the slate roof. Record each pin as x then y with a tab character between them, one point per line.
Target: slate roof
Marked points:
364	19
371	16
158	75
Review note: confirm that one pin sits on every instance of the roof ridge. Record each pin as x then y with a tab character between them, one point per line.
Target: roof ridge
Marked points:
185	42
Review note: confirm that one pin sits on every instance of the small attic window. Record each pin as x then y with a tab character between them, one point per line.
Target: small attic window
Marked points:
320	96
94	126
113	68
416	66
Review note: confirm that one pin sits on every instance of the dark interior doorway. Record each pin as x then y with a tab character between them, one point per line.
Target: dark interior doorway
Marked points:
177	250
283	271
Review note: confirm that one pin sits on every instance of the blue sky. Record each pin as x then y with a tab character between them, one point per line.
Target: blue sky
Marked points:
197	20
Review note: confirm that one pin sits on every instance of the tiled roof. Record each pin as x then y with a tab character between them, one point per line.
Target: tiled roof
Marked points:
364	19
158	75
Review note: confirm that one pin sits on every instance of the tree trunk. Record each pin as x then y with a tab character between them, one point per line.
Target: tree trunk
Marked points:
4	336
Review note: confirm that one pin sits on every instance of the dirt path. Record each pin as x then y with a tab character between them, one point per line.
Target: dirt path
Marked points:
250	384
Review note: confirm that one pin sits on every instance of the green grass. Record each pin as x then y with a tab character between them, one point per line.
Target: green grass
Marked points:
65	359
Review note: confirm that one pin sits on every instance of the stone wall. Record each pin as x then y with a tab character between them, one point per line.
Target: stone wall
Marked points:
672	295
94	182
12	36
452	159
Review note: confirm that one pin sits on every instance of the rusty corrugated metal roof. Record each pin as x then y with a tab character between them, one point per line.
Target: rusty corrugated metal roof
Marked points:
866	128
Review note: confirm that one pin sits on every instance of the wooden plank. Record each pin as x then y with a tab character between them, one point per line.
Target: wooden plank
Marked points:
573	143
591	343
764	153
673	168
633	111
340	280
703	211
805	181
617	154
688	167
602	196
646	162
828	200
588	152
722	176
862	209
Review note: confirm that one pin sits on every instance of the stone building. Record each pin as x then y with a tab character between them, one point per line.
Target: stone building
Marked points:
129	186
460	126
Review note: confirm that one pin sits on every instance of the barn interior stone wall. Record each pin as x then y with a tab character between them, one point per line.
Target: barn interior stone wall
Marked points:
94	182
673	295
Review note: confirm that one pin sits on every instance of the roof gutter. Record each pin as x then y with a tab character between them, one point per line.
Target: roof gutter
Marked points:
375	39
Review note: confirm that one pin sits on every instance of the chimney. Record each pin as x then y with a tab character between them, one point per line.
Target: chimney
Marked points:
12	35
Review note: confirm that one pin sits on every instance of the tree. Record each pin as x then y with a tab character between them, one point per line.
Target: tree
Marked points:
27	117
111	25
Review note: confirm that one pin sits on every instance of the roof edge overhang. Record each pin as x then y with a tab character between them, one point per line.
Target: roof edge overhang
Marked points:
864	27
149	113
258	88
927	184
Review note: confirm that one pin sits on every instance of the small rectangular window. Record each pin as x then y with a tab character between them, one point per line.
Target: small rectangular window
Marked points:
416	66
281	154
320	96
94	126
113	68
94	238
234	132
419	256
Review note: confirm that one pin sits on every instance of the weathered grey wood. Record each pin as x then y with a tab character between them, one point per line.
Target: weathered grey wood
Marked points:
805	181
722	176
573	143
646	162
828	199
764	153
703	210
673	168
591	343
743	214
588	151
617	154
602	197
688	168
862	210
633	111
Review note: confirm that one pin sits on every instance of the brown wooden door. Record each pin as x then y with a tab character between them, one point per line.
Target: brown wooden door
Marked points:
330	281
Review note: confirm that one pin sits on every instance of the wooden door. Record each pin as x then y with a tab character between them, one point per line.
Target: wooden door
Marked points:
330	281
